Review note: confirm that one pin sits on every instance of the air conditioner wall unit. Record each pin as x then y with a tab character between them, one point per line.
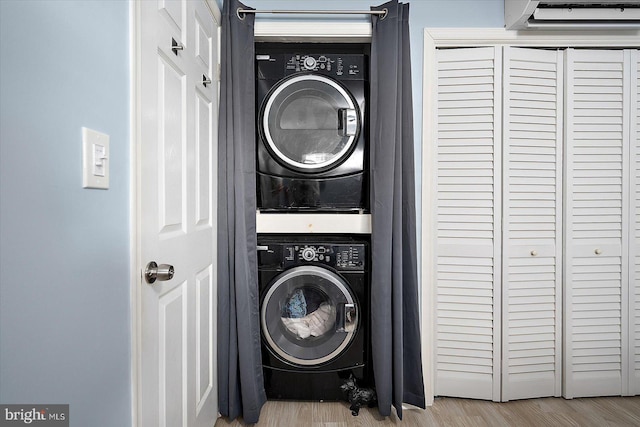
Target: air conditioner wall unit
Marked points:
571	14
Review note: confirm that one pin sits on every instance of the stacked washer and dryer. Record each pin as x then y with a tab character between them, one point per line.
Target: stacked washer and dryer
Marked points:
312	157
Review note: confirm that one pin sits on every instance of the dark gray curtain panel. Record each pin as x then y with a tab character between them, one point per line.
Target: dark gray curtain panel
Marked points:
395	318
240	380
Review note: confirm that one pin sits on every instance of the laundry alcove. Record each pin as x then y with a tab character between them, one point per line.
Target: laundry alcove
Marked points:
396	336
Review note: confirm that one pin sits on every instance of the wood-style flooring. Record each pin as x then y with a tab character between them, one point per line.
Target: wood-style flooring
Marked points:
450	412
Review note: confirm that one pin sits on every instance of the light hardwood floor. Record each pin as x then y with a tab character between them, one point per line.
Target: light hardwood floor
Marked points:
450	412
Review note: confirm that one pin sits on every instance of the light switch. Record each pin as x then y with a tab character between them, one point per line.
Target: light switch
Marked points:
99	157
95	159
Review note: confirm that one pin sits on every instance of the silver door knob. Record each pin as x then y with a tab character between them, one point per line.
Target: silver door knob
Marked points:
160	272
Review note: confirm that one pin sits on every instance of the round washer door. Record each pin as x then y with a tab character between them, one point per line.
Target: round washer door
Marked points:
309	316
310	123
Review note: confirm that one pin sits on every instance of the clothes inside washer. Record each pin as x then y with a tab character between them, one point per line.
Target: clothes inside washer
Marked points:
314	324
296	305
302	302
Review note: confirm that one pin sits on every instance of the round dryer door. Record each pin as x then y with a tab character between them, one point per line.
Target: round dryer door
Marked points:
309	316
310	123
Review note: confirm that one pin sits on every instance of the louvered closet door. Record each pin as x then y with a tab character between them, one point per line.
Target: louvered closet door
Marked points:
468	223
532	223
597	226
634	244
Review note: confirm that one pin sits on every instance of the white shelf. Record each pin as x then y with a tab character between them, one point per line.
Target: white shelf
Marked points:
313	223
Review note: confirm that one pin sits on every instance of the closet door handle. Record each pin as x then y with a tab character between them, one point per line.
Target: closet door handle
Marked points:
598	251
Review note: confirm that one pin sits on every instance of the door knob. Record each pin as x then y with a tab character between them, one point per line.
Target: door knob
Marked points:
160	272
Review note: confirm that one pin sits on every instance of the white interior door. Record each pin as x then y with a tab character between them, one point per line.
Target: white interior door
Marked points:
468	250
532	223
596	226
177	114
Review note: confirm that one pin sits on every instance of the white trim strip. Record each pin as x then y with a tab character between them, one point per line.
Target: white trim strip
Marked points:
337	32
313	223
471	37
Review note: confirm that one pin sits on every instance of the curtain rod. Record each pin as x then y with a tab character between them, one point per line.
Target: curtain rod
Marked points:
383	12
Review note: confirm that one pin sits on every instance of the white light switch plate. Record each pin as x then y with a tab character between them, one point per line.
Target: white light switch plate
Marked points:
95	159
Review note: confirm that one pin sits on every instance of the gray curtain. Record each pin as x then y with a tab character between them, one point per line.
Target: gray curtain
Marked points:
395	319
240	381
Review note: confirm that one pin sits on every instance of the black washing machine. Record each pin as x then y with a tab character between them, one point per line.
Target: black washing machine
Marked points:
312	137
314	294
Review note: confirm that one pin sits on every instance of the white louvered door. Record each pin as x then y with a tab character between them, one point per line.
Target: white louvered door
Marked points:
468	223
537	257
597	225
532	223
634	244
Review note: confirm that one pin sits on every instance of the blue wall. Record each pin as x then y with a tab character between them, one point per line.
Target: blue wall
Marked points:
64	251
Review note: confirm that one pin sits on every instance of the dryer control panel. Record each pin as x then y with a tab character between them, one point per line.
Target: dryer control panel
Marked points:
339	66
328	64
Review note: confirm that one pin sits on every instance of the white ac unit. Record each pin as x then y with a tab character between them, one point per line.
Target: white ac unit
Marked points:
569	14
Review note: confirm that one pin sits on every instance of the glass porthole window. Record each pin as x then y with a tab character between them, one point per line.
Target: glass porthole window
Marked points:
310	122
309	316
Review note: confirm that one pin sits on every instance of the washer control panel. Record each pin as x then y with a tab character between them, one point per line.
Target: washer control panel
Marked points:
341	257
348	257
